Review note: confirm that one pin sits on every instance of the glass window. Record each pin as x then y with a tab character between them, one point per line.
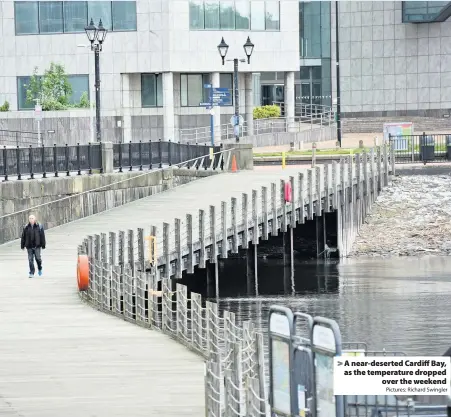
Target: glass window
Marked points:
80	85
242	11
304	73
226	81
227	14
22	85
212	14
272	16
124	15
26	17
316	73
258	15
196	14
75	16
100	10
50	17
192	91
422	11
151	90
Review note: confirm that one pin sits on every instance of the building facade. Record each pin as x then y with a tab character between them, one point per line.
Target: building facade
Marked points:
156	59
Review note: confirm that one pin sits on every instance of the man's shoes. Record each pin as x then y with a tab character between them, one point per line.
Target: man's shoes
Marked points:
30	275
40	272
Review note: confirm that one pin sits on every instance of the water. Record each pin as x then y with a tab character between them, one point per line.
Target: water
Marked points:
402	305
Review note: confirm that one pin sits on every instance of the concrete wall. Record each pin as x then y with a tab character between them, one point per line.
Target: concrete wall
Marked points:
388	67
298	138
22	196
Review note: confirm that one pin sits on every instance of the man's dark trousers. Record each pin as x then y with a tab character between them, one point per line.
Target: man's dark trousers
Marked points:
34	253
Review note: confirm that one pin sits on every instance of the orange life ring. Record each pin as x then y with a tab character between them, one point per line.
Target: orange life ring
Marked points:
83	272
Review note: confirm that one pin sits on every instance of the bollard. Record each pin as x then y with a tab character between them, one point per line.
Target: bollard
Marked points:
337	145
313	154
283	160
79	160
361	144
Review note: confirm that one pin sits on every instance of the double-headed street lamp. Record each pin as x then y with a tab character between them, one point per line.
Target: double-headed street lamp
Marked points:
96	36
248	49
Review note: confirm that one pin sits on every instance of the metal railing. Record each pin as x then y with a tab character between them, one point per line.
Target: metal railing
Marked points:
421	148
19	162
54	159
306	117
158	153
234	377
20	138
307	112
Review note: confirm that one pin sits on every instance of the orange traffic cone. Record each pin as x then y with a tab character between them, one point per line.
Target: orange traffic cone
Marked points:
234	166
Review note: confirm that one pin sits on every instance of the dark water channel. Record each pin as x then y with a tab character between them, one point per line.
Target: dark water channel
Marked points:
401	304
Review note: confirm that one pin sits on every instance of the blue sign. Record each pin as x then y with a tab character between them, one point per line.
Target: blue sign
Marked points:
207	85
221	90
204	104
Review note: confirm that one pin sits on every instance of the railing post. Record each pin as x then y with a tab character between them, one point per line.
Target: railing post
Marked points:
150	154
160	154
89	158
120	156
189	155
78	159
66	156
44	174
169	152
5	164
180	152
30	159
55	160
130	156
207	156
19	175
140	155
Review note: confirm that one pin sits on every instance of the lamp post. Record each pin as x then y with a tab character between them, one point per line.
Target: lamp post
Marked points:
337	66
248	49
96	36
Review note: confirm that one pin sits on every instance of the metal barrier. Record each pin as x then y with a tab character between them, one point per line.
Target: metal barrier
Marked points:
313	395
122	286
274	125
159	153
421	148
18	162
44	160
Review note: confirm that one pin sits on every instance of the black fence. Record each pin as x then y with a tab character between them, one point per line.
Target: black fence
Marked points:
151	154
421	148
17	162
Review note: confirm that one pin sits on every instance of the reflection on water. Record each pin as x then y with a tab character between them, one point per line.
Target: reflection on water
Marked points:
400	304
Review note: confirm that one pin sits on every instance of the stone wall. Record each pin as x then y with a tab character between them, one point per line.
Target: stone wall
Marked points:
63	200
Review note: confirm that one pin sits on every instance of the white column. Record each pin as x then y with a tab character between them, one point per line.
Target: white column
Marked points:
126	108
168	106
289	99
215	83
249	103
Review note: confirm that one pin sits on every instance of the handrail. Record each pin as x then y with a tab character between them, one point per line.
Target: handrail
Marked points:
115	183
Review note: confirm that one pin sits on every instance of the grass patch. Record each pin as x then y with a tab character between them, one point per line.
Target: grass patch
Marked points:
319	152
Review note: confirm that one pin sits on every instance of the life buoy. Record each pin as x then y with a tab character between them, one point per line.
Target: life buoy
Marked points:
288	192
83	272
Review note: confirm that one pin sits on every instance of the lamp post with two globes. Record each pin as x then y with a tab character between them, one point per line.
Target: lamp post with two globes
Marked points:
248	49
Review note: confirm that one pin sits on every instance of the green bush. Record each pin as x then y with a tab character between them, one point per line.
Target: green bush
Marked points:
5	106
266	112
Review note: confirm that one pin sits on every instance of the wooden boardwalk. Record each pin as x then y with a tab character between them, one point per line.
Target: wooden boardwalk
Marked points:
61	358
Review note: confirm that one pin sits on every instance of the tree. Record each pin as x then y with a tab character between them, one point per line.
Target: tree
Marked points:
53	89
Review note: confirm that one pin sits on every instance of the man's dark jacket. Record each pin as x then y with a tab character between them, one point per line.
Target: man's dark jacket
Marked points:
33	236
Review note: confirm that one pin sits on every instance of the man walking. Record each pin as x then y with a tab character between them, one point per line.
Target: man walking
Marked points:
33	238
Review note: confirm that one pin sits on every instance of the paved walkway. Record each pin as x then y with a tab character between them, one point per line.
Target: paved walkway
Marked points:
61	358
